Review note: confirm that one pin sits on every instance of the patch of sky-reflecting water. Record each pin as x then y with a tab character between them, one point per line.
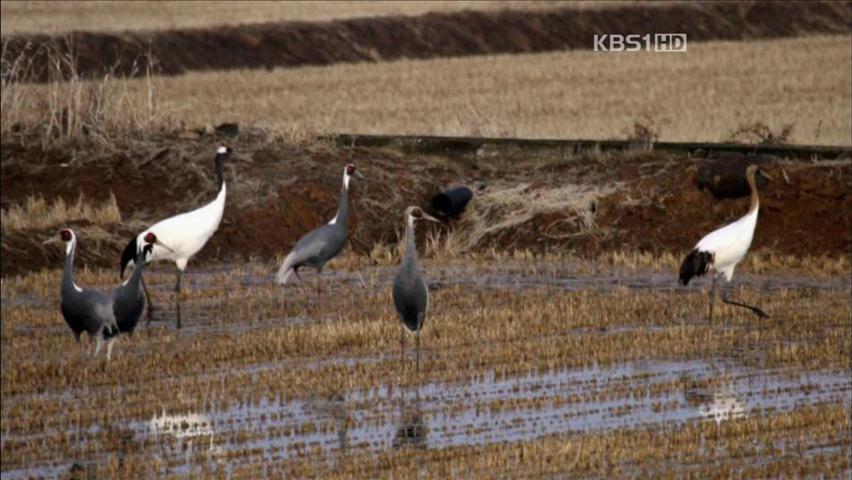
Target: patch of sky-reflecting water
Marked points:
488	408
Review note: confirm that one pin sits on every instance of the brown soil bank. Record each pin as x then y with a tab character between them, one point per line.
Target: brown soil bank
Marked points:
293	44
542	200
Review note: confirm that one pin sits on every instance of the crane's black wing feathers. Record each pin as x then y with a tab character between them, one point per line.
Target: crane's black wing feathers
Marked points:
128	255
695	264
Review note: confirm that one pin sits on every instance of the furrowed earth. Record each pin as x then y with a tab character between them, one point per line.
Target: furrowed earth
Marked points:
558	341
529	365
546	200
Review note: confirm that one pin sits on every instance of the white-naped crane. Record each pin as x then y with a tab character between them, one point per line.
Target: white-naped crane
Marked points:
181	236
84	310
323	243
410	294
722	249
102	315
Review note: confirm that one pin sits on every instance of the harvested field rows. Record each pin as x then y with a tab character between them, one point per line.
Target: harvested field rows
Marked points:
701	96
558	341
436	35
528	365
707	94
70	15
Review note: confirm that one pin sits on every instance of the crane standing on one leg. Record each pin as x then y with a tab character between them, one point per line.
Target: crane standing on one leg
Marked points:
722	249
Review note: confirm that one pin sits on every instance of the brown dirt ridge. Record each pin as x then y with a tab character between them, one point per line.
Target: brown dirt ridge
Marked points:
553	200
294	44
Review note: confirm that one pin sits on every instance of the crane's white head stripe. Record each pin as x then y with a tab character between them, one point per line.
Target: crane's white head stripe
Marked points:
71	244
222	149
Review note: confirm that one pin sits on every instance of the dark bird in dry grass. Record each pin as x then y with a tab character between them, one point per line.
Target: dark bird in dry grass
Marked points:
722	249
410	294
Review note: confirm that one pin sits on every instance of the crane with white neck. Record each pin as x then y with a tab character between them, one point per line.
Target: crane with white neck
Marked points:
323	243
182	236
722	249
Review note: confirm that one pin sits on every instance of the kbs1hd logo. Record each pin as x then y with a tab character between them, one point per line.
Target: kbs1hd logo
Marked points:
656	42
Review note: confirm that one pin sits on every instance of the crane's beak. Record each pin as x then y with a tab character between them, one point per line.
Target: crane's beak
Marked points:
359	174
426	216
158	242
766	175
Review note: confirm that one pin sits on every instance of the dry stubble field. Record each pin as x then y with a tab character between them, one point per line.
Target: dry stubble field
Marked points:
533	365
530	366
706	94
57	17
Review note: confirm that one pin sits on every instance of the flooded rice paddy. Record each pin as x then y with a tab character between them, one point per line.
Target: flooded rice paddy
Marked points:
544	368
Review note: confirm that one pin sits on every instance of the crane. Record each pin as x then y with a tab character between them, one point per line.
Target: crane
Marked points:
323	243
182	236
410	294
722	249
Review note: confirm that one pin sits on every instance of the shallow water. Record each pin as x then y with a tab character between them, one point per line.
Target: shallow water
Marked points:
492	409
485	408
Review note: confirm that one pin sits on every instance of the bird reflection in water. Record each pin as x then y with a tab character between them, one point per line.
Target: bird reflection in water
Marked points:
718	402
336	408
412	430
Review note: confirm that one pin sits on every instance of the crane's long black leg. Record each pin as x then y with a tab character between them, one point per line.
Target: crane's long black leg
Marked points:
712	295
177	295
84	349
319	285
148	302
178	282
417	337
301	283
757	311
401	343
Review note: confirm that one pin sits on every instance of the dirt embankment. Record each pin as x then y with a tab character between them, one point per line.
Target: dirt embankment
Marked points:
293	44
543	200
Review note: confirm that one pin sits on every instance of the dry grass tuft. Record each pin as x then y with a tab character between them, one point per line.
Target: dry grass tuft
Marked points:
37	214
760	133
70	107
504	206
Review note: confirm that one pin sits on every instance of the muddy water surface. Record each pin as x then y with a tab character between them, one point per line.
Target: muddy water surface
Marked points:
485	407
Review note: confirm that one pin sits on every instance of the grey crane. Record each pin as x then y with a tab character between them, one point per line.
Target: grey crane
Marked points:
99	314
410	295
129	298
86	310
321	244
